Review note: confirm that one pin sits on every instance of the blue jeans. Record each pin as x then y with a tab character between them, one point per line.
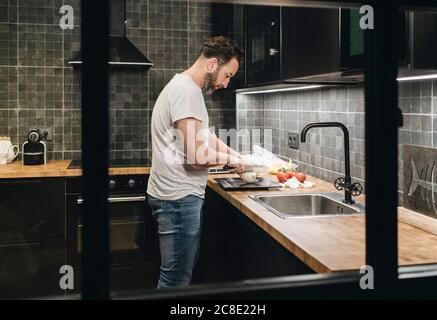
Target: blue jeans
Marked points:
179	227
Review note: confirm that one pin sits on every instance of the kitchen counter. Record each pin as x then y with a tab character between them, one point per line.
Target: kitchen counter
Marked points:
333	244
56	168
325	244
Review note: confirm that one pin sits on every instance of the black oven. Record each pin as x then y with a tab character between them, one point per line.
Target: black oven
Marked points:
134	257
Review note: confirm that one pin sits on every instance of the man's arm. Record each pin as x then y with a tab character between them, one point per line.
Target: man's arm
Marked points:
237	166
204	149
220	145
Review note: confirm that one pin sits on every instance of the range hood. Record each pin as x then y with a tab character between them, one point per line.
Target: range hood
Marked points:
122	52
357	77
349	77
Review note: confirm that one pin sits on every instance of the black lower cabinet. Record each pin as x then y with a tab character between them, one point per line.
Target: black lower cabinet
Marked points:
40	233
32	237
234	248
124	278
31	270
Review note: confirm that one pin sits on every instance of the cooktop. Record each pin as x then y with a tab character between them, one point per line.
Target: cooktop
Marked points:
116	163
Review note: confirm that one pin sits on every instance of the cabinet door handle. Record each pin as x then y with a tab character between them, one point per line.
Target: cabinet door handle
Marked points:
119	199
273	52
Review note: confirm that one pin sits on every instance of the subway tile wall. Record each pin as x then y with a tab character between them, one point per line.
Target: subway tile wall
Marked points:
38	89
323	154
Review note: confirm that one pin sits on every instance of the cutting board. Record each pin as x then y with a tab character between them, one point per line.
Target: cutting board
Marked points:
238	184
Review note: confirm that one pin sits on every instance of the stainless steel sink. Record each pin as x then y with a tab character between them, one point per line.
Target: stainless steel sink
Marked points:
303	205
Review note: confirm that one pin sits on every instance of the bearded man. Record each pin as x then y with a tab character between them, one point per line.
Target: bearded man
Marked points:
176	190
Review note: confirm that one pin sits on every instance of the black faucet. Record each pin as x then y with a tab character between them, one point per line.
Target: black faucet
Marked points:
350	189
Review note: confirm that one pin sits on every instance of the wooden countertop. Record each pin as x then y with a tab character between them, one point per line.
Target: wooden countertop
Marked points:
333	244
56	168
325	244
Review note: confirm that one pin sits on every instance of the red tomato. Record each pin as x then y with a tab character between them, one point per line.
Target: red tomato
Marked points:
300	176
289	174
281	176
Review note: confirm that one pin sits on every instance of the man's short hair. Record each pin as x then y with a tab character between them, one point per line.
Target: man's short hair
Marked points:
222	48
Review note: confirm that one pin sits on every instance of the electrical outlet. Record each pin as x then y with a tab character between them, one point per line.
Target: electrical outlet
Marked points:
293	140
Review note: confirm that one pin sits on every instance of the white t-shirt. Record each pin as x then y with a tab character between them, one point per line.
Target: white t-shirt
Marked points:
181	98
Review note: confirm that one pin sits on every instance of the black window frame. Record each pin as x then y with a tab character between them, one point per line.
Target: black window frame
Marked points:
381	165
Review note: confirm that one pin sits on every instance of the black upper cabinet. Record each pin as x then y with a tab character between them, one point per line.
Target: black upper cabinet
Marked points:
352	39
423	40
222	16
289	42
228	20
417	40
310	42
263	51
286	44
279	42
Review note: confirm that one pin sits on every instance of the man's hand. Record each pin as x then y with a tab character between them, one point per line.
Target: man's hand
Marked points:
237	167
236	164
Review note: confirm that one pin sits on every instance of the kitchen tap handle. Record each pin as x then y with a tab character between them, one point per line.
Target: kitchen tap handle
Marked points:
356	189
339	183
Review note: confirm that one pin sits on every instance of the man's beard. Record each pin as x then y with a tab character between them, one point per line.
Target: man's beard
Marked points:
209	85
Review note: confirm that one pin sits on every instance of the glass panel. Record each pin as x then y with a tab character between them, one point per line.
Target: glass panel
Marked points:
241	238
33	113
356	34
332	233
40	221
418	147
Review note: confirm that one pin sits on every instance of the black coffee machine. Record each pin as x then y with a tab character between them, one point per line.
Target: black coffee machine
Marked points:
35	149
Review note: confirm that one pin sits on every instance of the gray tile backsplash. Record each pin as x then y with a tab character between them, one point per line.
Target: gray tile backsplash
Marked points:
39	89
8	46
323	155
